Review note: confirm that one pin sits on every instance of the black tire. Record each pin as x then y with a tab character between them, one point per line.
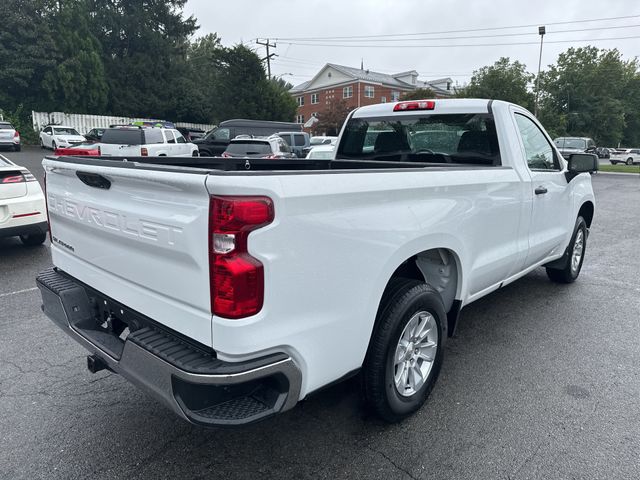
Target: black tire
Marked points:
568	274
613	163
204	153
195	153
33	239
41	144
53	145
629	161
402	300
17	148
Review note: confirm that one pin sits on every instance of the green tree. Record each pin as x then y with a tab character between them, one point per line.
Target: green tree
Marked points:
144	47
504	80
245	92
591	92
27	53
77	83
418	94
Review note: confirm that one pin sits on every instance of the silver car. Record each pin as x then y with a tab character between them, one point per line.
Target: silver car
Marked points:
9	136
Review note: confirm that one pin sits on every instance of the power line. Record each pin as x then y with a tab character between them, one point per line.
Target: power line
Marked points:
459	44
485	29
311	42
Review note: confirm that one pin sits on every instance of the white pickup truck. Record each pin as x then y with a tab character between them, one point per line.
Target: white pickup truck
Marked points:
230	289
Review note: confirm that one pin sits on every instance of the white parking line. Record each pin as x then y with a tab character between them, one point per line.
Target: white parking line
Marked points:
17	292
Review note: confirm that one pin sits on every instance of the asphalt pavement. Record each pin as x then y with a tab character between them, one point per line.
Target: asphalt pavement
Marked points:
541	381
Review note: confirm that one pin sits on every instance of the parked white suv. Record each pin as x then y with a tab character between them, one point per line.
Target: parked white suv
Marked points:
22	208
145	142
54	136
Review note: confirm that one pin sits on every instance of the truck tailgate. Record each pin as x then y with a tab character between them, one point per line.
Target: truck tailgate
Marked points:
139	238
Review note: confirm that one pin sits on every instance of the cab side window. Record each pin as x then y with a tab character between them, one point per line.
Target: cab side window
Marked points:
538	151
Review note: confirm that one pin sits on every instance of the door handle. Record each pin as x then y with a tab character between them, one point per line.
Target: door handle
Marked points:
540	190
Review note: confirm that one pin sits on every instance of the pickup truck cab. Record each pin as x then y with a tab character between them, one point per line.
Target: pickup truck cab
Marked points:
232	288
145	141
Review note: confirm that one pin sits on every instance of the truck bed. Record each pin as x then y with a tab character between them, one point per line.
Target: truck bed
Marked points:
236	165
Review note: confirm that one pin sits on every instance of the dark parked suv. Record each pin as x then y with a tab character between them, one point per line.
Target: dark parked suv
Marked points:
216	141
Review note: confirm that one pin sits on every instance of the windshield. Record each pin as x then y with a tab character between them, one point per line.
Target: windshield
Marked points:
65	131
249	148
219	134
577	143
122	136
459	138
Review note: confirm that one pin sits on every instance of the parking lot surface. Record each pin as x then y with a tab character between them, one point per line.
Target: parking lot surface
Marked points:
541	381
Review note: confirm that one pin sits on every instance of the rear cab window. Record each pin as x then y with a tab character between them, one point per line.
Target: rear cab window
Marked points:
430	138
6	126
249	148
123	136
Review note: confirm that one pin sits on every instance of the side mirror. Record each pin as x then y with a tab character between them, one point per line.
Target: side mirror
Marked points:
581	163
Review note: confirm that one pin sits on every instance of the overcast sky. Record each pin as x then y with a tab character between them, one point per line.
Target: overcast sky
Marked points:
286	22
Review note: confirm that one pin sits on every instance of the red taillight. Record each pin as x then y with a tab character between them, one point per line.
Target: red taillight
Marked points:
13	179
99	151
273	155
415	105
16	135
236	278
144	152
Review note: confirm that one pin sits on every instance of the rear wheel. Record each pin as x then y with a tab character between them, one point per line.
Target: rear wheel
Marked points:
575	252
629	161
613	163
195	153
405	352
17	148
33	239
53	145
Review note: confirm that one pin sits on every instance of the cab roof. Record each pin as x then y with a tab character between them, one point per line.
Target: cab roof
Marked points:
442	105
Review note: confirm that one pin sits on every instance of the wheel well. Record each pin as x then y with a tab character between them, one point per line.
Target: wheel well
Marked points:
586	212
438	267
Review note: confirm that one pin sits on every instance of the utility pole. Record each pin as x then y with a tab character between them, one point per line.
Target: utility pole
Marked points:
541	32
269	56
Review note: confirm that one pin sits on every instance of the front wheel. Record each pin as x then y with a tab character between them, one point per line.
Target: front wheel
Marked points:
575	252
406	350
629	161
53	145
195	153
613	163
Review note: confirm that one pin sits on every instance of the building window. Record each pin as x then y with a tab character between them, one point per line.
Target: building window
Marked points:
314	98
300	101
347	92
448	85
395	96
300	119
383	100
369	91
